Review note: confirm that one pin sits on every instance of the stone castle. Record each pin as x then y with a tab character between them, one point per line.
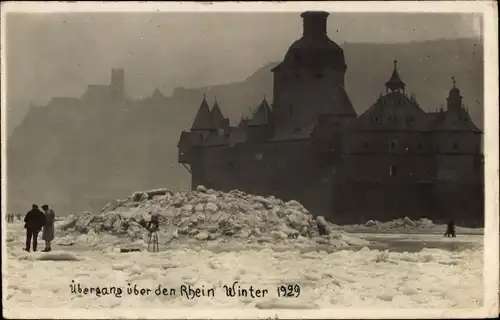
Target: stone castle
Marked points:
391	161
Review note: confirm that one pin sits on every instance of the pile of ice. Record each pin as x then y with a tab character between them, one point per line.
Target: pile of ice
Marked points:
401	223
406	225
205	215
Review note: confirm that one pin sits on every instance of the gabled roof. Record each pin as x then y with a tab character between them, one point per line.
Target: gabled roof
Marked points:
217	116
203	119
262	116
392	112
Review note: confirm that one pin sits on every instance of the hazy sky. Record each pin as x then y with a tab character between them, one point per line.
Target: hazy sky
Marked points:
59	54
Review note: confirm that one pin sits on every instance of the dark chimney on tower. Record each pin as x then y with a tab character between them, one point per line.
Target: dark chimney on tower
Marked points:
314	24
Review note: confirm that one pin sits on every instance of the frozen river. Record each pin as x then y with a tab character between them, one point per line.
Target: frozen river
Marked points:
416	271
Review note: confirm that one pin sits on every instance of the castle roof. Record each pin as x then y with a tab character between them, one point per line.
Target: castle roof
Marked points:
395	82
262	116
217	116
315	49
394	112
452	120
203	119
341	105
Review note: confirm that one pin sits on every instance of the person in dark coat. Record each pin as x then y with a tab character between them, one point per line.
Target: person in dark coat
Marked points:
153	224
33	223
48	227
450	230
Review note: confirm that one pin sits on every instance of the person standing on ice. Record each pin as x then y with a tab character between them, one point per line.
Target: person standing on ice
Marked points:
48	227
33	223
450	230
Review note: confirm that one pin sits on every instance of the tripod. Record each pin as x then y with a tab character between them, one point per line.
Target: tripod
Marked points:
153	240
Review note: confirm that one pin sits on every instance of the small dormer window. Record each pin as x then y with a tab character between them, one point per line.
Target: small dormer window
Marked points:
376	120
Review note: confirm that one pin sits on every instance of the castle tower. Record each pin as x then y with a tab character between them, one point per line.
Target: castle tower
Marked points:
217	116
117	85
310	79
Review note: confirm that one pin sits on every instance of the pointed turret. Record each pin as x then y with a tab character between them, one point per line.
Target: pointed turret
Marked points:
395	83
454	100
217	116
262	116
203	119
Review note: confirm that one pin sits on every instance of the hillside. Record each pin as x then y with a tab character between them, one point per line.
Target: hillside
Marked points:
77	157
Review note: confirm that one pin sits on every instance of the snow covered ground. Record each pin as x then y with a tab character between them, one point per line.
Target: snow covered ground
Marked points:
431	278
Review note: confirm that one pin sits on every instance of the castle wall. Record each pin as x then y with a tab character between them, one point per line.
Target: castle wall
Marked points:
286	170
459	168
383	156
457	142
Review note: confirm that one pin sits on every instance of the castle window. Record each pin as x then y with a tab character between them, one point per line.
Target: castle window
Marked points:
409	119
392	145
419	146
455	146
390	118
392	170
376	120
319	75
